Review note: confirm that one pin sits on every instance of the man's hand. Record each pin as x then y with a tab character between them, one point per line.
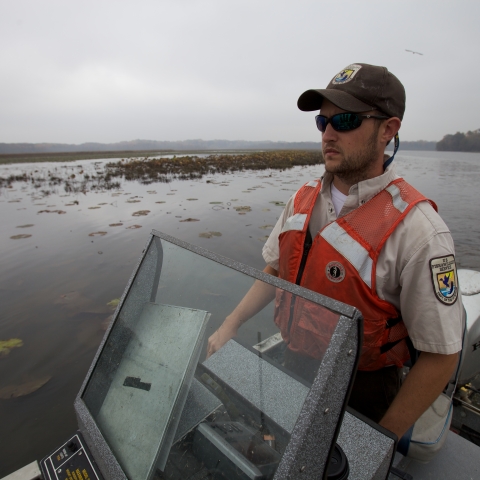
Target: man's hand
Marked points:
421	387
220	337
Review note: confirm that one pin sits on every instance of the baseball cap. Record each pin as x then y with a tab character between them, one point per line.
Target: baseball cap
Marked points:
358	88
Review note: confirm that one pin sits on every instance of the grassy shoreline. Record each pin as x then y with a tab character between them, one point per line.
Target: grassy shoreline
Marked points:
193	167
149	170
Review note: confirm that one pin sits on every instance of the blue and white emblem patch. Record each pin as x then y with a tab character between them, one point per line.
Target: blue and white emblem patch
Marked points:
445	280
346	74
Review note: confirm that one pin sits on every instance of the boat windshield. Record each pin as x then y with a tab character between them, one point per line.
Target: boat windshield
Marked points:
167	409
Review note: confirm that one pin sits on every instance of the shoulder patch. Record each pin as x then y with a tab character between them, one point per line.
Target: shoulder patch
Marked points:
444	278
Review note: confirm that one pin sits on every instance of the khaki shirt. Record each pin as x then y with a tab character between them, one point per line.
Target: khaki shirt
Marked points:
403	275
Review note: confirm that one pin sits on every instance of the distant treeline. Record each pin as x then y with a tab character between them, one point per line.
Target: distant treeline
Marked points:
152	145
460	142
179	146
183	145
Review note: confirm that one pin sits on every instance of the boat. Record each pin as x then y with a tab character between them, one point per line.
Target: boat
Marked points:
153	406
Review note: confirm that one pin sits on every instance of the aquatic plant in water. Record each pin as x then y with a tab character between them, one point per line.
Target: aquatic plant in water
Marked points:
7	345
18	237
209	234
25	388
114	303
243	209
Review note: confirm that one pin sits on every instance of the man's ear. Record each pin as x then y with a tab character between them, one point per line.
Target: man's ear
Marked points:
390	128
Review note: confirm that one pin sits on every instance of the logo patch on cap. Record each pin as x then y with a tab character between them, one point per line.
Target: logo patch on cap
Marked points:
335	272
444	277
346	74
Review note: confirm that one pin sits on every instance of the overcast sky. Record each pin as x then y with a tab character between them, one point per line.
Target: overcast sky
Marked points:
106	71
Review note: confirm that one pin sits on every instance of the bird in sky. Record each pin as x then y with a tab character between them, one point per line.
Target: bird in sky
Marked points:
411	51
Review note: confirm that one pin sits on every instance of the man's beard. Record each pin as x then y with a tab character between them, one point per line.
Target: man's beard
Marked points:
355	167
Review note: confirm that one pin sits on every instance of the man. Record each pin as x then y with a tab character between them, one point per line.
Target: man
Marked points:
372	241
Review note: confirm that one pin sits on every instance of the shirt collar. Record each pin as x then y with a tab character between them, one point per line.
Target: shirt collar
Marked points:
365	189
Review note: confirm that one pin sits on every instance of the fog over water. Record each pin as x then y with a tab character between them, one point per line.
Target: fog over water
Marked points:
63	270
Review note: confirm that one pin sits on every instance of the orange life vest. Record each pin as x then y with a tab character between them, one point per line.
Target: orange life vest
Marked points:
341	264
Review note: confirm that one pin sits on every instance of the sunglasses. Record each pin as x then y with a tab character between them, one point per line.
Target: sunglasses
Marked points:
343	122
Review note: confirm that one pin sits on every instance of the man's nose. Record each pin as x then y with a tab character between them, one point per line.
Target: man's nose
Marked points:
329	134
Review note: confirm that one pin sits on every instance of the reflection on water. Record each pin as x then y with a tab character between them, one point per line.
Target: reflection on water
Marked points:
61	270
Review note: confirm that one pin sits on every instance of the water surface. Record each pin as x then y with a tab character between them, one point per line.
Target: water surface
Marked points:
56	284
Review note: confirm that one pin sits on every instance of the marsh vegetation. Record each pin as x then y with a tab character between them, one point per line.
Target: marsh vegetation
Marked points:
162	169
195	167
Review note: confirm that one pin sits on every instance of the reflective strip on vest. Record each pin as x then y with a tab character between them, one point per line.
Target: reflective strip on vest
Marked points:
313	183
295	222
355	253
397	199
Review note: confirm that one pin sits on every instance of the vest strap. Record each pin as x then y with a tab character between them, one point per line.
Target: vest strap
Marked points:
391	322
388	346
295	222
397	200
